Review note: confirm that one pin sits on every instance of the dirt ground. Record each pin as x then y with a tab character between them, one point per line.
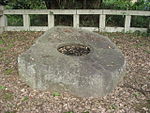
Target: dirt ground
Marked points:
131	96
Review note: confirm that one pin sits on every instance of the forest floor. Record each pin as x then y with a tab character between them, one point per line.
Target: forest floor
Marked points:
131	96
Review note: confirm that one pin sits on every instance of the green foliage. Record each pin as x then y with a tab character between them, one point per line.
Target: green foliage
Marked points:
86	112
2	49
10	112
2	87
69	112
8	71
39	20
112	20
1	41
8	96
148	101
139	21
15	20
136	94
139	33
56	94
142	5
126	5
25	4
113	106
25	98
63	20
117	4
89	20
73	4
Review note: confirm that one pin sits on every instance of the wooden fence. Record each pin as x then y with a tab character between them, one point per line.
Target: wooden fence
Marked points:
76	21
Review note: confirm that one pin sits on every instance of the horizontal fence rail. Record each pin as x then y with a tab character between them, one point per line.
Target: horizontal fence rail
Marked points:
76	19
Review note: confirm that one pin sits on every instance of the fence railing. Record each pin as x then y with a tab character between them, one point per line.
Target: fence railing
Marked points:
76	20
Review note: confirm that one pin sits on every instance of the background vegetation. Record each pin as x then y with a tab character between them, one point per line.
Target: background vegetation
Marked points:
85	20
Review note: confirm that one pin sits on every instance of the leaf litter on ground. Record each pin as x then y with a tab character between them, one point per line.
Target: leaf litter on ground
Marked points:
132	95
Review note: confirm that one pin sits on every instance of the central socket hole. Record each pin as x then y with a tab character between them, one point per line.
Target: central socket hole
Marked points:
74	49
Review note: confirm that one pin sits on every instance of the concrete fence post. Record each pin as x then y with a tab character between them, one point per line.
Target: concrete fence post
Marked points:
3	20
51	22
127	22
76	20
102	22
26	22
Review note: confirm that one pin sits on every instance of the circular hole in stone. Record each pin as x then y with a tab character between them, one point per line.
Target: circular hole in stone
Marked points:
74	49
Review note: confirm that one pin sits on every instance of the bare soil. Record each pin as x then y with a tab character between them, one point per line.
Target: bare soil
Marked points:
131	96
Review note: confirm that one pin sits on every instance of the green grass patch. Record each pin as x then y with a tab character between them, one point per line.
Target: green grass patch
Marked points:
139	45
10	45
73	112
10	112
3	49
148	101
4	34
86	112
1	41
8	71
113	106
8	96
25	98
136	94
2	87
147	51
15	20
56	94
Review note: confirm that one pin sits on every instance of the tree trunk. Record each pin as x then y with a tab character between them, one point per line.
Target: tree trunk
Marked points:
93	4
51	4
84	4
80	4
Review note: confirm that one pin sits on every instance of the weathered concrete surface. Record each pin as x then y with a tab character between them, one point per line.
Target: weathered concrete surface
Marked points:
95	74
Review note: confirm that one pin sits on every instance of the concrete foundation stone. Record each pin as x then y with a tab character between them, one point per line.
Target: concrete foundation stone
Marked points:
95	74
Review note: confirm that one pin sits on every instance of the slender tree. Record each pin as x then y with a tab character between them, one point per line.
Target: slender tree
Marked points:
89	4
53	4
3	2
